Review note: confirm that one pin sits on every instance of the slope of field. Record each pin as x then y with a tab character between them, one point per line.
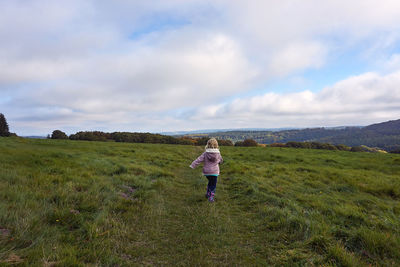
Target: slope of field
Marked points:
77	203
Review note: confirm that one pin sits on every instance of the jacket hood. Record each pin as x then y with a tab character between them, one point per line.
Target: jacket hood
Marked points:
212	150
212	154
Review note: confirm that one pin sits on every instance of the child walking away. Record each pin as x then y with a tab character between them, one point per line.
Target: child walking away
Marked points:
211	158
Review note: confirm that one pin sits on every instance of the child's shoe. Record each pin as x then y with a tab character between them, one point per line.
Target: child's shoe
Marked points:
208	193
211	197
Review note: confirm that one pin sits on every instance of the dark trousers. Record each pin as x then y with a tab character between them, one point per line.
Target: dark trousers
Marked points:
212	183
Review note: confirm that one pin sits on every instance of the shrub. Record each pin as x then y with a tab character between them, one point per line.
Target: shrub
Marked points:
250	142
57	134
277	145
225	142
364	148
328	146
186	141
201	141
357	149
315	145
343	147
298	144
239	143
90	136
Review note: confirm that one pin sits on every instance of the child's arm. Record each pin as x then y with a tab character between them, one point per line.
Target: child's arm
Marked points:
197	161
221	160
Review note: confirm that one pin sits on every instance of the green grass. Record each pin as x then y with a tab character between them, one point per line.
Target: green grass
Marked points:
77	203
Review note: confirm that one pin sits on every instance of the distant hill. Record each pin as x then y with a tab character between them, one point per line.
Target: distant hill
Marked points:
209	131
385	135
389	127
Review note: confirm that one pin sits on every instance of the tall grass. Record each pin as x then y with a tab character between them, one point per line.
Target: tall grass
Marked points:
77	203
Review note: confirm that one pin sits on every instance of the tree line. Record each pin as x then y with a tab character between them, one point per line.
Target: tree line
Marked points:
328	146
134	137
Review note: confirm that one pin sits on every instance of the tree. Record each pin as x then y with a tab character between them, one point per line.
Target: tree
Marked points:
225	142
4	131
250	142
246	142
239	143
57	134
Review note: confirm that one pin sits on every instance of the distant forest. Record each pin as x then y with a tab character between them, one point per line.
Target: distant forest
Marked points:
129	137
384	135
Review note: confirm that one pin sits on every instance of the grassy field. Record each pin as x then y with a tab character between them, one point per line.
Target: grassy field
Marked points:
76	203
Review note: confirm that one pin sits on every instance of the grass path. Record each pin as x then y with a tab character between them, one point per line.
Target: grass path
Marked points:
192	231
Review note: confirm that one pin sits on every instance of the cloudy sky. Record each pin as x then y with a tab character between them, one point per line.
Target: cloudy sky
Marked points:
166	65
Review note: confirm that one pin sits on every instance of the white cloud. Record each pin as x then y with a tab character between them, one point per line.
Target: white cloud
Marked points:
297	56
313	30
144	78
361	99
137	64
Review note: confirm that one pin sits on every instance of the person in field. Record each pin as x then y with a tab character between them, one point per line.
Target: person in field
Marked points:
211	158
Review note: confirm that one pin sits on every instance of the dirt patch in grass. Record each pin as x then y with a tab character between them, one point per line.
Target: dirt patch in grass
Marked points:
12	259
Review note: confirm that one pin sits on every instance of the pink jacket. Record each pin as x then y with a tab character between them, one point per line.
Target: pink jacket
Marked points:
211	159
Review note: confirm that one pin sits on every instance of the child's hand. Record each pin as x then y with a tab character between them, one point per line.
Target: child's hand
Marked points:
191	166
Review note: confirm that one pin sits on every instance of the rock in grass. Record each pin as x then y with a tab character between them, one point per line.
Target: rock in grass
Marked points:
13	259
